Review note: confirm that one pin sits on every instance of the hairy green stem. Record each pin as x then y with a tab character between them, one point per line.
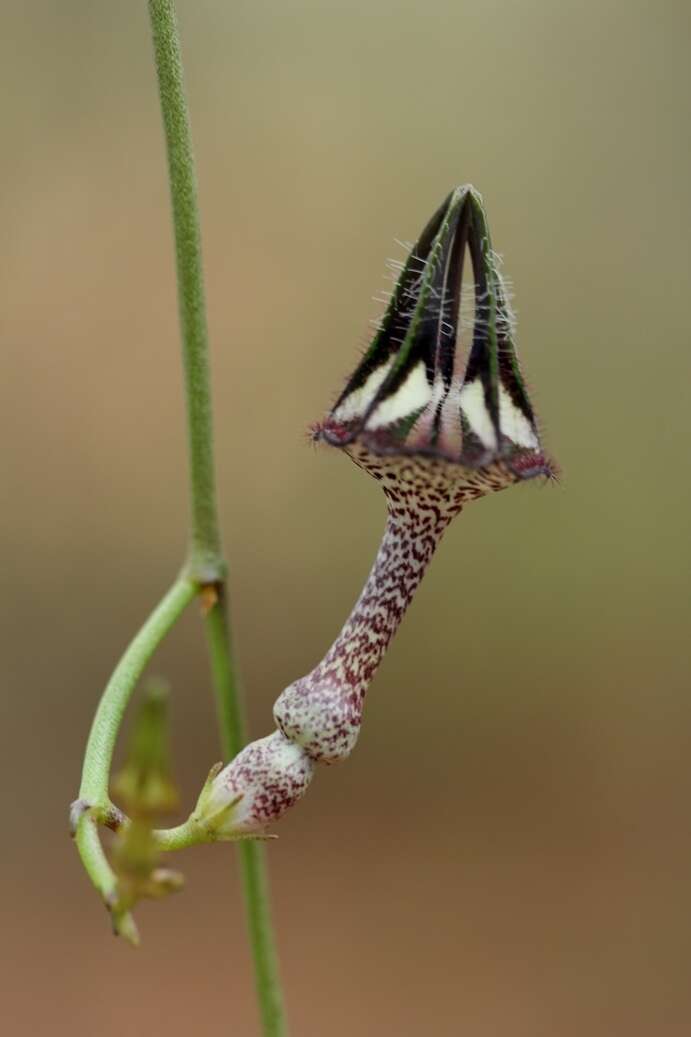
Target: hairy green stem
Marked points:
253	869
255	884
231	722
206	559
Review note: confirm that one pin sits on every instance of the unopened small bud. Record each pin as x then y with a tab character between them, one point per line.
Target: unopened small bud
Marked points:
253	790
145	783
163	881
135	862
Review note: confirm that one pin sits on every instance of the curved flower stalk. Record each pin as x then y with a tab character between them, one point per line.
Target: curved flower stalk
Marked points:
436	430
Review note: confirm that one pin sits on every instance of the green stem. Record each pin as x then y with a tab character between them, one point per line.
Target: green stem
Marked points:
178	838
118	691
93	803
231	723
255	885
255	882
102	876
206	560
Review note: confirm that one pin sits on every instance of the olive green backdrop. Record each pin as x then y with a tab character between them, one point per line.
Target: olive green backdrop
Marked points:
508	851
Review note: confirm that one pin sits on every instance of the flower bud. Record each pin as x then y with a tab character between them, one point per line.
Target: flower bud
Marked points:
253	790
145	783
135	862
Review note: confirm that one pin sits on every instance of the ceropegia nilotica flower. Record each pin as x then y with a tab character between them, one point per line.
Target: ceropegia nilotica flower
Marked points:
436	429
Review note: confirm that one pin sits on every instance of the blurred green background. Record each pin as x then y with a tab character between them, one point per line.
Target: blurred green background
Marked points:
509	850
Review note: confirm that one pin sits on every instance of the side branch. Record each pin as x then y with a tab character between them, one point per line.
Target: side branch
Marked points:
118	691
94	806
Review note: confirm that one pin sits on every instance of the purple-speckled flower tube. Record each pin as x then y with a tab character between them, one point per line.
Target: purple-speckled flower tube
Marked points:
436	430
255	789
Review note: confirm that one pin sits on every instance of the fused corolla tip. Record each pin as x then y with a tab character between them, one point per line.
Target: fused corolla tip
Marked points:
419	392
253	790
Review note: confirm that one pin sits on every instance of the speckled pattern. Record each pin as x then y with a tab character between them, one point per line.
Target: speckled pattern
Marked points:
319	716
269	776
436	429
323	711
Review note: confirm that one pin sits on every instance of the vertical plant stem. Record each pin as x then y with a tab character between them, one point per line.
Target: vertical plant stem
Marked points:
231	723
205	548
255	882
206	563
